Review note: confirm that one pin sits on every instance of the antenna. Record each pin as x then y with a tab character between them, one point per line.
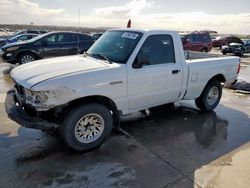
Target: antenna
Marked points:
78	38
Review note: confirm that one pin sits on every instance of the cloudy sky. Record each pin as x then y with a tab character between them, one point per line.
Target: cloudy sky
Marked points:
220	15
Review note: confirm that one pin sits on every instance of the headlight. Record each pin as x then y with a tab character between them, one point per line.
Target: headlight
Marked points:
12	48
35	97
40	97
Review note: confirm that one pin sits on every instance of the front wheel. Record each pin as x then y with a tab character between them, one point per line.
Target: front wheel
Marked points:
26	58
241	53
87	127
204	50
210	96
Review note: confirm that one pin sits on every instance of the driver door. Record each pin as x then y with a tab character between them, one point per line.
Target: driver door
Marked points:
159	79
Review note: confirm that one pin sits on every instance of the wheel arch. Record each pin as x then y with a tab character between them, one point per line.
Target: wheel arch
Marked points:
218	77
27	51
109	103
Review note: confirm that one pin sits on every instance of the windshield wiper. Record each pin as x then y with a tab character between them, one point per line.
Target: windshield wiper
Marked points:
103	57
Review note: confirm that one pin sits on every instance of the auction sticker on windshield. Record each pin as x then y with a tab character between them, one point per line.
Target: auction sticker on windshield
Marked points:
130	35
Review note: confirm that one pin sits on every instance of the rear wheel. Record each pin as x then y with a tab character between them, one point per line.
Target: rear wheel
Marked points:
210	96
87	126
26	58
204	50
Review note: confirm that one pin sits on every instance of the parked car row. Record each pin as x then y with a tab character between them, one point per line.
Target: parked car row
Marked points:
201	41
17	38
37	32
51	44
29	45
197	41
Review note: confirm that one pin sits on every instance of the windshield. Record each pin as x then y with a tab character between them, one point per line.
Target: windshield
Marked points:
16	37
17	33
116	46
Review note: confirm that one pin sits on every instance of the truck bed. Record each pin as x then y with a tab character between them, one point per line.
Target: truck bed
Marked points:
202	69
191	55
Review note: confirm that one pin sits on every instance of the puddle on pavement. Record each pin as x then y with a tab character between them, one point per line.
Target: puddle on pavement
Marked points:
164	125
97	175
40	149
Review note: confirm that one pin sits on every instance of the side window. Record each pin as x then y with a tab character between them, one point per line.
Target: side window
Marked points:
61	38
157	49
197	38
24	37
73	37
33	32
32	36
190	38
67	37
50	38
85	38
206	38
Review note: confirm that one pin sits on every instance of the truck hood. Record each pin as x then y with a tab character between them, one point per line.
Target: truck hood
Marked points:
33	73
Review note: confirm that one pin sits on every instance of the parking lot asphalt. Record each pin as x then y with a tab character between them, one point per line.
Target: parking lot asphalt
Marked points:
172	147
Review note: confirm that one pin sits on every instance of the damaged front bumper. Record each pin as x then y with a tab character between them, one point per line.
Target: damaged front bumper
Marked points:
17	113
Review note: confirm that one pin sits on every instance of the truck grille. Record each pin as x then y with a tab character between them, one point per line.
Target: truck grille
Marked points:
19	89
20	94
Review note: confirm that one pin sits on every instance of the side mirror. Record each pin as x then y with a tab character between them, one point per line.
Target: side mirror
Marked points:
140	61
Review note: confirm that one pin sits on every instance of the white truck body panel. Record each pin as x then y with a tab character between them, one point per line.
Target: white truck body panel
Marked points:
129	88
199	76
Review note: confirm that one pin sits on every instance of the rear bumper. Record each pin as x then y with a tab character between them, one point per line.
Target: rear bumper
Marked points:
16	113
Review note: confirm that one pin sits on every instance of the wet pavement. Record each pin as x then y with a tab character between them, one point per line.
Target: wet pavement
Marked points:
173	147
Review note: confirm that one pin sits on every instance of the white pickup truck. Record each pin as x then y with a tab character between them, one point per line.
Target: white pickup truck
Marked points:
126	70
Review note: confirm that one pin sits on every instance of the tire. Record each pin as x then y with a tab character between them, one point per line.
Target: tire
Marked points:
224	53
241	53
204	50
210	97
26	58
78	132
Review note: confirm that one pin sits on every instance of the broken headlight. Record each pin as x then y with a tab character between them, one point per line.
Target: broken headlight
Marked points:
35	97
40	97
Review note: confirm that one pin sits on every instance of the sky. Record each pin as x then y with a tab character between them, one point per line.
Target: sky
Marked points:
224	16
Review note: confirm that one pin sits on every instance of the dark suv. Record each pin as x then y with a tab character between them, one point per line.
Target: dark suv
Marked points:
197	41
47	45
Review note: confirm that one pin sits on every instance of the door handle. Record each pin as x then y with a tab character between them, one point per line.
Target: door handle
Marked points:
175	71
